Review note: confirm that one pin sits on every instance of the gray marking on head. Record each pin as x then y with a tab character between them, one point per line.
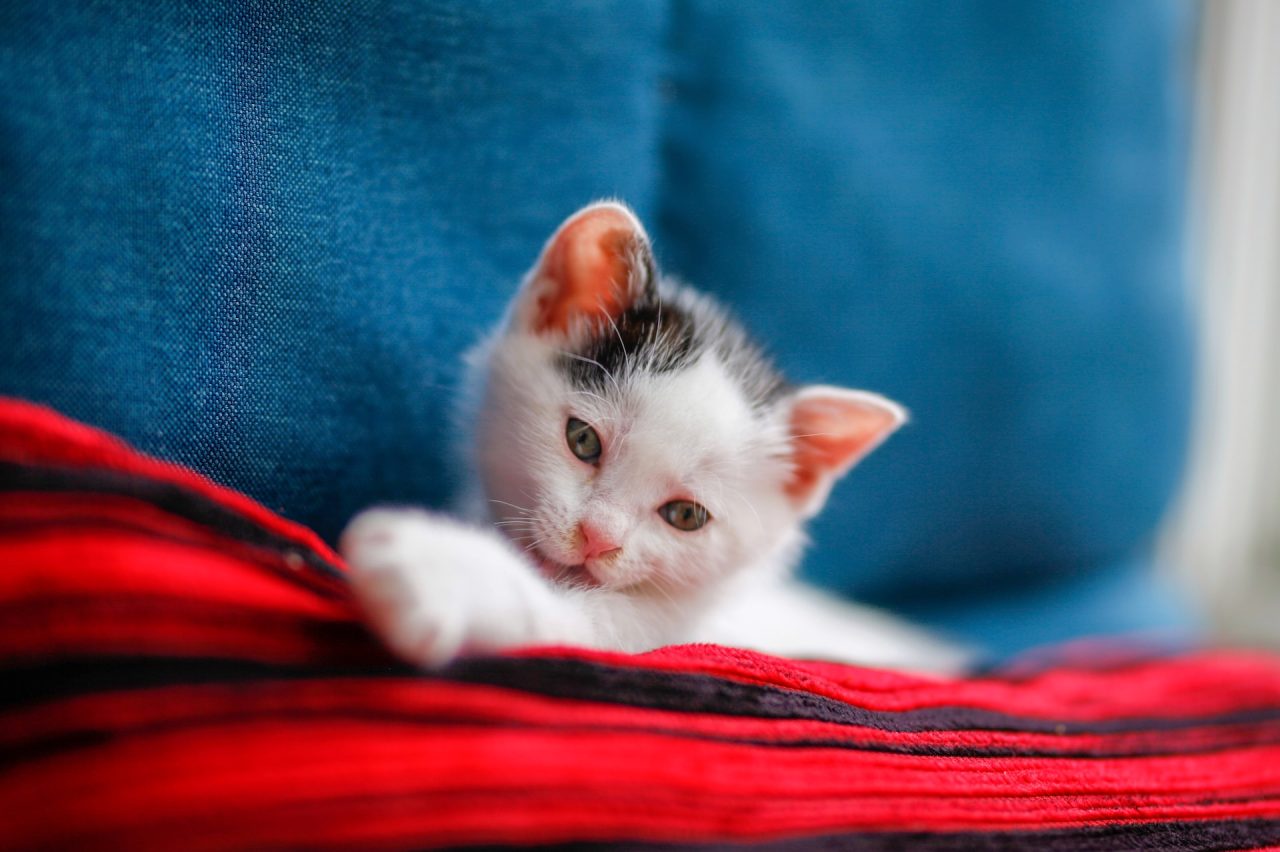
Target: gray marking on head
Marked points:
668	329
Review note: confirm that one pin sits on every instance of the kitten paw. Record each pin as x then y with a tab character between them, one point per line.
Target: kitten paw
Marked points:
434	588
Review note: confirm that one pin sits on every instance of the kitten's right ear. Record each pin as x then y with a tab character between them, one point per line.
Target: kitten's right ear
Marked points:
832	429
596	265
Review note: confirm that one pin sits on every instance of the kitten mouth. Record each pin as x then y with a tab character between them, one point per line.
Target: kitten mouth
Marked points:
565	575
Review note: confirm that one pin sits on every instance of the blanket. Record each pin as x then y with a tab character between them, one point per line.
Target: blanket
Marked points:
186	669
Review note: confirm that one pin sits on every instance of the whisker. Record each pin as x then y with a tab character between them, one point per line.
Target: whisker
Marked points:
659	585
746	502
594	363
593	395
625	354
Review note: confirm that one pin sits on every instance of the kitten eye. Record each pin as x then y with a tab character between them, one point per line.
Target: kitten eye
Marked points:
685	515
583	440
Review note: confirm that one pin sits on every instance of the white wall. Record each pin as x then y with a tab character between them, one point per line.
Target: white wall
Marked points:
1224	536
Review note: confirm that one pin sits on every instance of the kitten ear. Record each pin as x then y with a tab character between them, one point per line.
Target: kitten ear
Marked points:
831	430
596	265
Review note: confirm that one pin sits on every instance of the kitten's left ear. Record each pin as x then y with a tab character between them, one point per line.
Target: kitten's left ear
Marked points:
831	430
596	265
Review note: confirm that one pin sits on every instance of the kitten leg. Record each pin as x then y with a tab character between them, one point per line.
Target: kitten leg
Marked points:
434	588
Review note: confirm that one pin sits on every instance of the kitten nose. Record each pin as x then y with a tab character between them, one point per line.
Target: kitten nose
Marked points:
595	544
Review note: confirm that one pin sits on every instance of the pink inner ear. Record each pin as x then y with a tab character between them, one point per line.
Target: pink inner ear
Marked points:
830	433
586	269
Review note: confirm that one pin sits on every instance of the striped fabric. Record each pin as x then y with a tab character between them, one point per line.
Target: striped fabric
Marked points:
185	670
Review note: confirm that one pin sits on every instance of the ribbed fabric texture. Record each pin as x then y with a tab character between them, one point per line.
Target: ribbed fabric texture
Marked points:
186	669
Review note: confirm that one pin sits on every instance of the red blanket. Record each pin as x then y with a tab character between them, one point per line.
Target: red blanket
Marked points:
186	670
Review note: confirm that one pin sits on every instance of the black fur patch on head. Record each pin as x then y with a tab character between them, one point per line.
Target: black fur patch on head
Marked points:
654	337
669	330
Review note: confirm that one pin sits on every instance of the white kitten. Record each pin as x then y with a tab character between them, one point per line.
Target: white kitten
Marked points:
643	474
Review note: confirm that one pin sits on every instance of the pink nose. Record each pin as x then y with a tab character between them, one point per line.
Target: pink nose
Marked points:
595	544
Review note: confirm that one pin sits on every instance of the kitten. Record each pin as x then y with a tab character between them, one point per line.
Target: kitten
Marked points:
643	475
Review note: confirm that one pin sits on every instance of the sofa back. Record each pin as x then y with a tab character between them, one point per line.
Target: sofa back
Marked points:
255	239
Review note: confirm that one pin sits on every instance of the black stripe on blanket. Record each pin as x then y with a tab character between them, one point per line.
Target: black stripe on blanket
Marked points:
169	496
1205	836
578	680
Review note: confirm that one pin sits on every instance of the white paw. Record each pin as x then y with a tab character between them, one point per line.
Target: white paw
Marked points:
435	588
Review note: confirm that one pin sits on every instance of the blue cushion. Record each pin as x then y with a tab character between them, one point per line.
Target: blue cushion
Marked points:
977	209
256	238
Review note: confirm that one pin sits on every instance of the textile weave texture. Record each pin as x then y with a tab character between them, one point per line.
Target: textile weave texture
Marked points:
186	670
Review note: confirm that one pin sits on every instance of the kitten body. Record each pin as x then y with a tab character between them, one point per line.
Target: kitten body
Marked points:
640	475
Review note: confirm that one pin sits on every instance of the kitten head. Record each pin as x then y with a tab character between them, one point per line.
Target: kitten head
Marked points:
632	436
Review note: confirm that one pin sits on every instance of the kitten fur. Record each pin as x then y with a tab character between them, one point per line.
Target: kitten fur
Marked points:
552	548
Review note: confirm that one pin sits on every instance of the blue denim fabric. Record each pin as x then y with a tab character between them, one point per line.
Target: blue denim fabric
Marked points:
976	209
255	237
